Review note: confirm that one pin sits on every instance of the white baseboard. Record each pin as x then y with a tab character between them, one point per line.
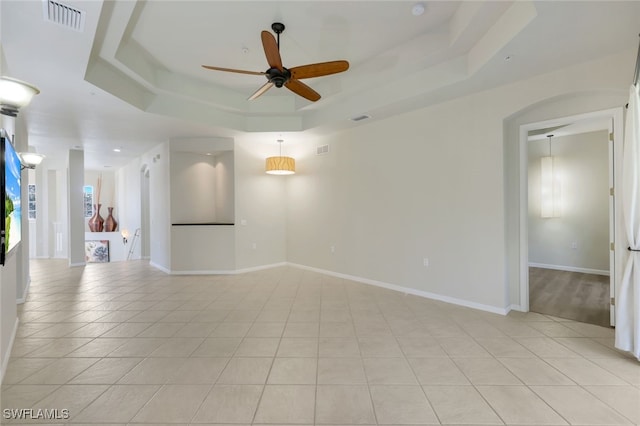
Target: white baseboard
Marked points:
23	299
229	271
160	267
7	355
204	272
77	265
412	291
569	268
517	308
260	268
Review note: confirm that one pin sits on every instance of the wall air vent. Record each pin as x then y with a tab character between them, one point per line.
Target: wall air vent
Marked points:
324	149
61	14
360	117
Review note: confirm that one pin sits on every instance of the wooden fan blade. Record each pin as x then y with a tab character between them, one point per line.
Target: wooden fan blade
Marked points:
268	85
209	67
320	69
302	89
271	50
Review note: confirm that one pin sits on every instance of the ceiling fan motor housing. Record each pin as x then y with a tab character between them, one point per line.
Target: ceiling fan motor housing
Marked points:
277	77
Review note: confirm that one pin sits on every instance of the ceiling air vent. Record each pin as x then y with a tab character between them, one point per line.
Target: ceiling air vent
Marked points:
324	149
360	117
61	14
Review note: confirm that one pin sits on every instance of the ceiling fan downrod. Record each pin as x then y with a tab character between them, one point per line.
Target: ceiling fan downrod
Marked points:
277	28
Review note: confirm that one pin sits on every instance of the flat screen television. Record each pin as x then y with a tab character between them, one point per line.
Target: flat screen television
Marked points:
11	209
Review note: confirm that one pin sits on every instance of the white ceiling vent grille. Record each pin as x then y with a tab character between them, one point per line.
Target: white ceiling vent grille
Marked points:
324	149
360	117
61	14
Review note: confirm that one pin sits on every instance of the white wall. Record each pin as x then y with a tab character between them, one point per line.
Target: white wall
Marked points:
193	188
203	249
41	247
75	207
430	183
202	187
128	203
160	207
419	185
582	163
225	187
261	203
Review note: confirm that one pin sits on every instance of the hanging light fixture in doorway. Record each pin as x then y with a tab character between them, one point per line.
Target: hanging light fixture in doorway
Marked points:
280	165
549	186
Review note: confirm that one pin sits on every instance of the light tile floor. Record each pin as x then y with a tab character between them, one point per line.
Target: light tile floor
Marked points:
123	343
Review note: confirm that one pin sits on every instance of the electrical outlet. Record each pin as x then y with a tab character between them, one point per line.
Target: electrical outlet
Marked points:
574	245
254	246
332	249
425	262
243	222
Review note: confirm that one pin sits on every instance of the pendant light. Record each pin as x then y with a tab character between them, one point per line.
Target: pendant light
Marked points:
280	165
549	186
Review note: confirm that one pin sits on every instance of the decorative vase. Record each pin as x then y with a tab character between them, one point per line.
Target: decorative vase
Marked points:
96	223
110	224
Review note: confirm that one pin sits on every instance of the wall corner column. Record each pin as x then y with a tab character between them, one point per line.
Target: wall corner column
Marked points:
75	208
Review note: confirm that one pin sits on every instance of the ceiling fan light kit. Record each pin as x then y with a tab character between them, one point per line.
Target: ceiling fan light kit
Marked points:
279	76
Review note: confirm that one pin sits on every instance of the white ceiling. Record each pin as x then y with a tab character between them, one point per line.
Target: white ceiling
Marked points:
133	77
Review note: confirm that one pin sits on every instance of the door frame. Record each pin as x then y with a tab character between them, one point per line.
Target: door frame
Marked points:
616	231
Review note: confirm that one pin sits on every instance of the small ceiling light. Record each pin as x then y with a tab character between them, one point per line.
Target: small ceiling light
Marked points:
417	9
280	165
15	94
30	160
116	150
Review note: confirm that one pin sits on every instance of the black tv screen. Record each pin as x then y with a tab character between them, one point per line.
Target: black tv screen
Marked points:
11	209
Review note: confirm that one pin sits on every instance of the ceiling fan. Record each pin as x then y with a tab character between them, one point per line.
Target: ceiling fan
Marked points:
277	75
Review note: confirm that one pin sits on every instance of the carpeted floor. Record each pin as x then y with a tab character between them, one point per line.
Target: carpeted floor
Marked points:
572	295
